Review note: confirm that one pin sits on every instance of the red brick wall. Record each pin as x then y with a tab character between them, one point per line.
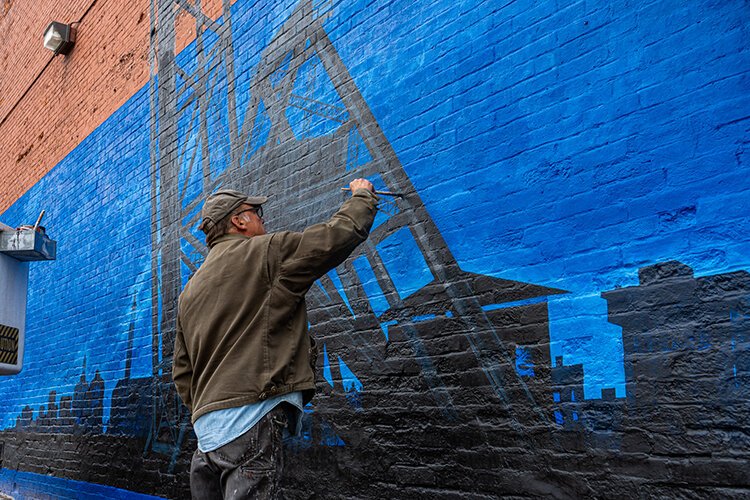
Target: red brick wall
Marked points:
45	112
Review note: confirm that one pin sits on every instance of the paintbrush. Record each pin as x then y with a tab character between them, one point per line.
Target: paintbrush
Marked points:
384	193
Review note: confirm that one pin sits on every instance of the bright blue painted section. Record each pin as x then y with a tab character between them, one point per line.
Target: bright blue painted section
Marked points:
260	130
30	486
556	397
217	121
334	275
327	367
381	217
524	363
404	262
348	378
559	417
579	335
378	302
190	154
424	317
385	326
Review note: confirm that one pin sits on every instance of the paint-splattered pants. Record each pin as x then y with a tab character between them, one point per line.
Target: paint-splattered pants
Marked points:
248	467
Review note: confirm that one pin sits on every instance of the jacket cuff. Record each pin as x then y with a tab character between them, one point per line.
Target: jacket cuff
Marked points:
367	193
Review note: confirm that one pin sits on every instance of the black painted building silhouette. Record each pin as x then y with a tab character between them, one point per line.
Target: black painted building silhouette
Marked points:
686	360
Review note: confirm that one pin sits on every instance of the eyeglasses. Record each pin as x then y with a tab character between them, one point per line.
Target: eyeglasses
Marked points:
258	211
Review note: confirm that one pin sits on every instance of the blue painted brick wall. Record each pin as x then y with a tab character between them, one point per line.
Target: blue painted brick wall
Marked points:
571	288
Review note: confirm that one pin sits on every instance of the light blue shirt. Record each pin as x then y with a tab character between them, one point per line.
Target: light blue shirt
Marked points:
217	428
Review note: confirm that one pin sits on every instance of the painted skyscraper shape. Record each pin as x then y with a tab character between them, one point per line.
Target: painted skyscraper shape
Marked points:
676	324
300	132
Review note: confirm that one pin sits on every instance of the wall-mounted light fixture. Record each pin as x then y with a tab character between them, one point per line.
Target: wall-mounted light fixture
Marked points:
59	37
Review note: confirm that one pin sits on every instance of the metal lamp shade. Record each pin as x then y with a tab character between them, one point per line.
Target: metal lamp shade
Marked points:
59	37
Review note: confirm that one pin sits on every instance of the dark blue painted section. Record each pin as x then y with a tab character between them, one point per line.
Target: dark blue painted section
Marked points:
350	381
30	486
322	289
559	419
328	436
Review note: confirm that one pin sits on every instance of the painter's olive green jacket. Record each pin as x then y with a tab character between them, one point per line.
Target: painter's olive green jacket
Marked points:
242	322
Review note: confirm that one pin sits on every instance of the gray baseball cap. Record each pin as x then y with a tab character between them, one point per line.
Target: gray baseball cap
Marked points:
224	202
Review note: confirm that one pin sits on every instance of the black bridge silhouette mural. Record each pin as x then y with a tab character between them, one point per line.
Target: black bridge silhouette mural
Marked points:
433	380
396	302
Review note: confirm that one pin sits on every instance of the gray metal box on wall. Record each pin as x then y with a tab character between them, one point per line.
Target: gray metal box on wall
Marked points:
27	245
17	248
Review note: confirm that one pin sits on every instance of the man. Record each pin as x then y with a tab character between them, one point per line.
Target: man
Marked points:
244	362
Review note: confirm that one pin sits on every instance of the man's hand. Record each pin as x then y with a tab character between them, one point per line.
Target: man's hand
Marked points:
361	184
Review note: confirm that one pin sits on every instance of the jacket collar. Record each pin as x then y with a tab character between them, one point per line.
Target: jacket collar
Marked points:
230	237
